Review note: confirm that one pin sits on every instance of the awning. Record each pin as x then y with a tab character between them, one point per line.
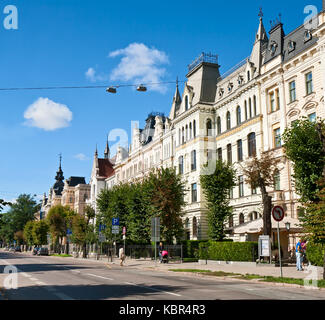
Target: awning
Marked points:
256	226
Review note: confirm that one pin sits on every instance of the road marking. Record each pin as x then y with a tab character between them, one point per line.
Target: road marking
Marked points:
95	275
40	283
33	279
154	289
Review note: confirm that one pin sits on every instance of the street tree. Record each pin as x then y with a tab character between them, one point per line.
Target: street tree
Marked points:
165	192
216	188
28	233
39	232
79	232
260	173
19	237
304	147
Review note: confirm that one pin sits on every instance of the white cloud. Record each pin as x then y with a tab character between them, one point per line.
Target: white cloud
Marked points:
81	157
47	115
140	64
92	75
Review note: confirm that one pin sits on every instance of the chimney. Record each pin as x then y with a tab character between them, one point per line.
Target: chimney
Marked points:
323	4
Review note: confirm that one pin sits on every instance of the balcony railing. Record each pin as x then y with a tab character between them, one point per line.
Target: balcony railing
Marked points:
204	57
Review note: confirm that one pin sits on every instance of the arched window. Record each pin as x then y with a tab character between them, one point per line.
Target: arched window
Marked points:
251	144
194	227
190	130
209	127
250	107
248	76
187	223
181	165
183	135
193	160
219	125
276	179
238	113
255	215
251	217
228	121
231	221
245	110
255	106
186	103
241	218
194	129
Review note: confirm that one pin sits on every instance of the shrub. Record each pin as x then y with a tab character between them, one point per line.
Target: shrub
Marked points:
315	254
229	251
191	248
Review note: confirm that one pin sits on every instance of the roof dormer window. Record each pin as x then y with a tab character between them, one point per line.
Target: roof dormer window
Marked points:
221	91
240	80
291	46
308	36
273	47
230	86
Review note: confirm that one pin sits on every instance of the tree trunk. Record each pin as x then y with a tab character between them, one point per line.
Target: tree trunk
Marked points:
84	251
324	267
267	208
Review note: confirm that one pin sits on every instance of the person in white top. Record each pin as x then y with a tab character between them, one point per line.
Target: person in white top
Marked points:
121	256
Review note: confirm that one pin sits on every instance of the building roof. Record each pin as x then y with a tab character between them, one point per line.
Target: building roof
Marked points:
105	167
74	181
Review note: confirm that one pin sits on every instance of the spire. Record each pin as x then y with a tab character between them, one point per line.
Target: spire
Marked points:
59	173
177	96
107	152
261	33
96	152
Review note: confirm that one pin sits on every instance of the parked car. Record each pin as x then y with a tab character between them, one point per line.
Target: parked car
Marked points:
35	250
17	249
43	252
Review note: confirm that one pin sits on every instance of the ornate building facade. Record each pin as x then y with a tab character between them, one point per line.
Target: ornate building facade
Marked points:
232	117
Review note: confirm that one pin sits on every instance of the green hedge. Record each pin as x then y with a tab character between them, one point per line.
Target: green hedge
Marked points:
191	248
315	254
229	251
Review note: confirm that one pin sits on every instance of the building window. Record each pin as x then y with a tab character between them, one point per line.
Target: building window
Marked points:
219	125
251	144
229	153
194	192
312	117
231	222
250	107
254	190
231	193
228	121
246	110
309	83
272	101
190	130
193	160
219	154
209	127
179	137
194	227
241	186
240	150
238	112
186	103
241	218
183	135
277	138
292	90
194	129
276	179
255	106
248	76
181	165
186	132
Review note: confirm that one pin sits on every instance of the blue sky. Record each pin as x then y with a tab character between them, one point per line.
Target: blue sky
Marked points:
58	41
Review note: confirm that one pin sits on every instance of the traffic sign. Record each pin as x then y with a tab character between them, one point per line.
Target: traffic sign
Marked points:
115	229
278	213
102	227
101	237
115	222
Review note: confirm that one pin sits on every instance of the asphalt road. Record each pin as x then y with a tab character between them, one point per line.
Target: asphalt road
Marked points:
53	278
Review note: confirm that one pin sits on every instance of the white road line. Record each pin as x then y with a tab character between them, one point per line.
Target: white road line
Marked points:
137	285
41	283
95	275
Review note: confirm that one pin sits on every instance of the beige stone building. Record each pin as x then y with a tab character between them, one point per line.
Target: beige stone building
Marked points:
233	116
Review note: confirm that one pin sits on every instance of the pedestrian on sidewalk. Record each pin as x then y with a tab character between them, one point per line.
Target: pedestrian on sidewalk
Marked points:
299	253
121	256
160	250
303	255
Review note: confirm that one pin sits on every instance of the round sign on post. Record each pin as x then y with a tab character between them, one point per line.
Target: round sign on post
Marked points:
278	213
124	230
